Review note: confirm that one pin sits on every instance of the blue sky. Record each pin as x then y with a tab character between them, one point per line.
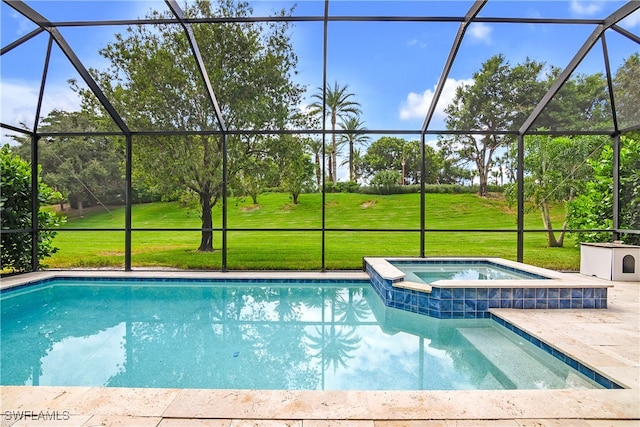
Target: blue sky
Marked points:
392	68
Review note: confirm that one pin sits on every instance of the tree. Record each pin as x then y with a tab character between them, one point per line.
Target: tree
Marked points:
15	204
153	82
626	86
295	165
499	98
339	105
581	103
352	125
387	153
87	170
555	171
594	208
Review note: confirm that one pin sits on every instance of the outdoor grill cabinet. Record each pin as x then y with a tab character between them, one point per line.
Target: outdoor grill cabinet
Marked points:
610	261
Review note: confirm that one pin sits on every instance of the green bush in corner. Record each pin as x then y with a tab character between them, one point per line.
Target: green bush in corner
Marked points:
15	207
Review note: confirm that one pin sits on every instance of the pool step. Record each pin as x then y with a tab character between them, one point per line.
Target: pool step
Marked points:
414	286
522	369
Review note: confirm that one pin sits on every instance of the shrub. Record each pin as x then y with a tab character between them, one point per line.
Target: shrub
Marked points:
15	204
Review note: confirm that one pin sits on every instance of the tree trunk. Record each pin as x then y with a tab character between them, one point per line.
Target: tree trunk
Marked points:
546	219
351	161
482	175
333	156
206	242
318	172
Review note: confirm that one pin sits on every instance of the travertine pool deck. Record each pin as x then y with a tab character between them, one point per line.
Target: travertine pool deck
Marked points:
607	341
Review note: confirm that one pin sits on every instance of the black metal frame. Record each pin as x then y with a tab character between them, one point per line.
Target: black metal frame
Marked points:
602	25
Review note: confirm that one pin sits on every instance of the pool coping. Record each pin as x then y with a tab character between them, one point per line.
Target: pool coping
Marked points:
607	340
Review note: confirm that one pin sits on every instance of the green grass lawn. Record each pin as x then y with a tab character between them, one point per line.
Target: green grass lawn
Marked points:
349	221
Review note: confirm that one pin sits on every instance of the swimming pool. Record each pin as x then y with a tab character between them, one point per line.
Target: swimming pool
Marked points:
429	271
270	334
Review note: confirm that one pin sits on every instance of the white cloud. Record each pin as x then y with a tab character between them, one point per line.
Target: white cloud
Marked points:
586	8
24	25
632	20
18	100
416	42
480	32
417	104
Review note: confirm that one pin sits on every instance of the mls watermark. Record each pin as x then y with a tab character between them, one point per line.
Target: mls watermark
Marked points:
36	415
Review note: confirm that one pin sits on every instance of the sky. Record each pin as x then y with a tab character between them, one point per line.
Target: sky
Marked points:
392	68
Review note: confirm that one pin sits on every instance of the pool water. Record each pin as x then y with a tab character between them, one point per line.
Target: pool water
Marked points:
432	271
276	335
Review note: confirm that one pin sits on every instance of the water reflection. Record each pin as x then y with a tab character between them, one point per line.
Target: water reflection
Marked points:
276	337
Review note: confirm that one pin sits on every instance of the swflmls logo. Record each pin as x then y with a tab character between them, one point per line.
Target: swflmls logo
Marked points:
37	415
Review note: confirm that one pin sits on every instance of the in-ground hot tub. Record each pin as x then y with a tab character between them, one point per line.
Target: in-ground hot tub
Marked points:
451	288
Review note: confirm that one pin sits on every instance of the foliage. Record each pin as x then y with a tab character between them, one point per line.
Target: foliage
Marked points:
626	87
342	187
499	98
555	171
386	181
15	204
593	209
502	96
250	65
295	165
387	153
87	170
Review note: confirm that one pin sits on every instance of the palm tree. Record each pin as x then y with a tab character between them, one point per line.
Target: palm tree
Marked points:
338	105
353	124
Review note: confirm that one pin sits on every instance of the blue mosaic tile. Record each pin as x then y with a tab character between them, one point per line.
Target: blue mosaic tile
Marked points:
518	293
470	293
482	293
565	293
529	304
458	293
518	303
576	303
446	305
589	303
541	293
470	305
576	293
529	293
446	294
565	303
541	304
506	293
506	303
553	293
588	293
494	293
553	303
